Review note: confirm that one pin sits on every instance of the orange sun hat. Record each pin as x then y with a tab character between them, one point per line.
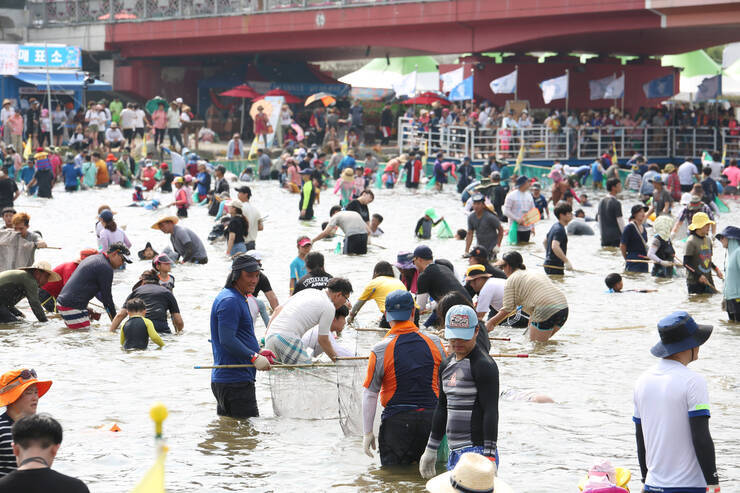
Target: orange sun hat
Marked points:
14	383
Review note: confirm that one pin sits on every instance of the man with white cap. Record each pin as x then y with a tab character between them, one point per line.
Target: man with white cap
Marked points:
24	283
251	214
20	391
674	446
403	368
467	411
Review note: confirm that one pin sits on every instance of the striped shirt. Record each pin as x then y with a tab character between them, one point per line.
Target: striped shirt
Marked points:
535	293
467	411
7	459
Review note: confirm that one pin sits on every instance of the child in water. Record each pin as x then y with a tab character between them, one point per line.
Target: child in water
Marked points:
163	265
424	225
614	284
375	221
138	195
138	329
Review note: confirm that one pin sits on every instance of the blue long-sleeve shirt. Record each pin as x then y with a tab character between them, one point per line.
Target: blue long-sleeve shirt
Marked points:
92	278
232	337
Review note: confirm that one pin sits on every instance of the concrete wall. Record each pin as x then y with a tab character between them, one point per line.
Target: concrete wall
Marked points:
90	37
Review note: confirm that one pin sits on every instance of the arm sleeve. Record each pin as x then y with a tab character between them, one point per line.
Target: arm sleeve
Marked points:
105	295
704	448
640	449
369	406
228	324
439	420
653	251
32	295
487	385
152	333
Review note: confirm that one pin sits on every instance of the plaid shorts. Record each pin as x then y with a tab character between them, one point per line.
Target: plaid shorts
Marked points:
289	350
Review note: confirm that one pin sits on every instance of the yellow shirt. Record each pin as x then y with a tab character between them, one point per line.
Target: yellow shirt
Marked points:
379	288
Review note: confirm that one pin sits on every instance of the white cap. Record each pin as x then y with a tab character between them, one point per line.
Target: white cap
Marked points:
178	100
255	255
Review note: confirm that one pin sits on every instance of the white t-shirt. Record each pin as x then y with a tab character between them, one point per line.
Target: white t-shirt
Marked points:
716	170
516	204
113	135
302	311
96	118
350	222
252	215
686	173
128	119
140	115
665	397
491	296
311	341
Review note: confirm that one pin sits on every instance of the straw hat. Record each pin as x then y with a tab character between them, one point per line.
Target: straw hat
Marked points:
473	472
699	220
669	168
14	383
46	267
236	204
6	101
348	174
172	219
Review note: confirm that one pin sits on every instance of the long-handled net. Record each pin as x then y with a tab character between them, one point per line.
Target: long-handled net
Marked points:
304	393
365	339
350	377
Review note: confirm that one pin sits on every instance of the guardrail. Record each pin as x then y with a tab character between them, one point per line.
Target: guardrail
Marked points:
44	13
542	144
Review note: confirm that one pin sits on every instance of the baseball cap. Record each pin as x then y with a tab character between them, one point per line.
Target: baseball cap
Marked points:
478	251
244	189
478	197
398	305
423	252
121	249
460	322
162	258
303	241
106	215
521	181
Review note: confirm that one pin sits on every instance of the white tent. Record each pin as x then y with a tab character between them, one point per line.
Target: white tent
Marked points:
380	74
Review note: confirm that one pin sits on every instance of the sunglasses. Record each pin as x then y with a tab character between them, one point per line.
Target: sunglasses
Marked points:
23	376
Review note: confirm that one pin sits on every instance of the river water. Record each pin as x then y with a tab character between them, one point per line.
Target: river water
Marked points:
589	368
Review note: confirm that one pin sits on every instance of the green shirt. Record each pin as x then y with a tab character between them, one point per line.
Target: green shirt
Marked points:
115	108
16	285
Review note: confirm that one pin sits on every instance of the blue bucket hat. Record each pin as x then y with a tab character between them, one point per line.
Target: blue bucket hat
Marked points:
679	332
460	322
730	232
398	305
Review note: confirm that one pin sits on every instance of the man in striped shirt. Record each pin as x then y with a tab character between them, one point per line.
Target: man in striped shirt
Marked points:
20	391
467	411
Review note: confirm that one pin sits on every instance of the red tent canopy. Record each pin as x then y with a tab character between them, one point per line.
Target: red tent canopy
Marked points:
289	98
241	91
427	98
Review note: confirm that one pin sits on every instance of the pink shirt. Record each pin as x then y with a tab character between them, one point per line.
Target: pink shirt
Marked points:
733	175
159	119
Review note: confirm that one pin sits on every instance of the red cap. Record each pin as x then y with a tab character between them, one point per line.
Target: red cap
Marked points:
164	166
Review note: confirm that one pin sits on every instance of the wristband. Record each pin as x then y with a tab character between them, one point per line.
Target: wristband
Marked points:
713	490
254	357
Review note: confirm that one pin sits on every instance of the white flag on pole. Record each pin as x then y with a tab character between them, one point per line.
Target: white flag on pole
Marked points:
505	84
556	88
710	88
406	86
615	89
452	79
598	87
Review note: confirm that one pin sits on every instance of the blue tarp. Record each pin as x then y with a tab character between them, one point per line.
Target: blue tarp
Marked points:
58	80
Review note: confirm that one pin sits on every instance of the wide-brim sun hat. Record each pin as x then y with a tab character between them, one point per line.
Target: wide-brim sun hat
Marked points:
172	219
730	232
46	267
473	473
679	332
404	260
699	220
14	383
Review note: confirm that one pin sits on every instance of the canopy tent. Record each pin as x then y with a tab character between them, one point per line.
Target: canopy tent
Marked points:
382	73
731	79
696	66
62	80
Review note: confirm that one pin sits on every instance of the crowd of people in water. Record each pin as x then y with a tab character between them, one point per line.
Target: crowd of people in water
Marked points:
432	371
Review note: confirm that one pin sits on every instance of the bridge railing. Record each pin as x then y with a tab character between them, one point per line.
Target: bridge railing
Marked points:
71	12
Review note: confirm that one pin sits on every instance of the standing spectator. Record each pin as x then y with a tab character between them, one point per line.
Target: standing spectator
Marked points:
141	120
15	122
355	112
5	113
33	121
386	124
128	123
261	125
159	121
173	124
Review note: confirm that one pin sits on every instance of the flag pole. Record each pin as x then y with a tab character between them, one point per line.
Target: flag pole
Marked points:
614	101
624	84
567	90
48	94
516	83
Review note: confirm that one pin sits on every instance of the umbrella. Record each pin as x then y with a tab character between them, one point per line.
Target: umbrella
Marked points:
324	97
242	91
299	135
151	105
426	98
289	98
266	108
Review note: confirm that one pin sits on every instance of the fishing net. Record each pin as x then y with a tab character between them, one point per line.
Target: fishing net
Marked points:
304	393
366	339
350	377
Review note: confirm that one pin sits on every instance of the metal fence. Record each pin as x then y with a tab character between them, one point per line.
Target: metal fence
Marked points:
541	144
70	12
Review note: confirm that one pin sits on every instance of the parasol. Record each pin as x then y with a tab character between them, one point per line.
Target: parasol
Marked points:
243	91
266	108
426	98
326	98
151	105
